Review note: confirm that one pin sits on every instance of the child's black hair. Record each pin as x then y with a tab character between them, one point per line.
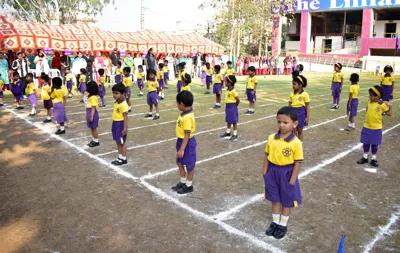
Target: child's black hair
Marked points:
83	71
354	78
185	97
187	78
379	89
152	71
301	67
57	82
92	88
119	87
228	62
45	78
140	67
217	68
101	72
16	74
251	68
301	80
288	111
182	65
388	68
231	79
67	68
338	65
127	69
30	75
161	65
207	64
295	74
119	63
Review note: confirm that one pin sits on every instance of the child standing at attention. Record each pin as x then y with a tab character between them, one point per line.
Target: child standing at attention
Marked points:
166	74
371	134
229	71
68	81
1	92
209	73
300	100
186	80
102	87
127	81
58	95
231	108
251	89
181	69
352	103
186	143
152	97
118	72
92	115
30	91
82	83
217	87
140	80
336	87
283	157
387	83
120	123
203	74
16	89
160	78
45	95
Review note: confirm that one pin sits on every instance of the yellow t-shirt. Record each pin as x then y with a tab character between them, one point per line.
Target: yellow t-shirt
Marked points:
251	82
58	95
45	92
92	101
299	99
118	71
140	75
102	80
230	96
180	74
387	80
209	72
119	110
127	81
187	87
203	69
354	89
165	69
82	79
160	75
68	77
1	85
373	117
152	86
284	151
337	77
30	89
185	123
230	72
218	78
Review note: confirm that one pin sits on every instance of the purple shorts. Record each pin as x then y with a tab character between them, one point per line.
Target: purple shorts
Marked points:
231	113
166	76
102	91
203	75
179	86
336	89
371	136
128	92
82	87
69	85
208	80
117	128
250	96
140	83
59	113
352	107
1	94
217	88
118	79
32	99
19	97
301	116
189	157
152	98
95	122
48	104
277	187
161	84
387	92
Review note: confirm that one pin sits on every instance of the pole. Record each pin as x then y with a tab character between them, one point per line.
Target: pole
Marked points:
142	14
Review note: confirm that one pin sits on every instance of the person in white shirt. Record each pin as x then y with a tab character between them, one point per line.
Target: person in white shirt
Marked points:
78	64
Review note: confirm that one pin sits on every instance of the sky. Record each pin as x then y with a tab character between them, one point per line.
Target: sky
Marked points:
160	15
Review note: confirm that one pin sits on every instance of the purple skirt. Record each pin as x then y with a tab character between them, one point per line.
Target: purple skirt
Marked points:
387	92
189	156
277	187
208	80
217	88
336	89
203	75
48	104
19	97
140	83
116	129
1	94
69	85
95	122
231	113
352	107
371	136
166	76
32	99
179	86
301	116
59	113
152	98
128	92
102	91
161	84
250	96
118	78
82	87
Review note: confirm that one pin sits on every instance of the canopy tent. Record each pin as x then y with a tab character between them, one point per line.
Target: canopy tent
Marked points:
25	36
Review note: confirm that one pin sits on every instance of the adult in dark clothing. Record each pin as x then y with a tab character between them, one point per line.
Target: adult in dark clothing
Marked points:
21	66
89	57
65	63
56	62
150	62
115	58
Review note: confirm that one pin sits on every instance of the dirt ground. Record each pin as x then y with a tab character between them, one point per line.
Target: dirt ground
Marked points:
57	195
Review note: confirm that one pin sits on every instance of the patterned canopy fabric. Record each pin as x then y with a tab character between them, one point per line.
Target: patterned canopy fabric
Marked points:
25	36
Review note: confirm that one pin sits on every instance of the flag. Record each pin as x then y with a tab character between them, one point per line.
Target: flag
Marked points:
341	245
397	42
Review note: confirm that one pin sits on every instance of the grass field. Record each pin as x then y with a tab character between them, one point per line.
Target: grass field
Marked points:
58	195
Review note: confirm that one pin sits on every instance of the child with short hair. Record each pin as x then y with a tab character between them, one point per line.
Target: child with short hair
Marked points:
16	89
92	114
336	87
231	108
387	83
352	103
152	97
120	123
58	95
166	74
217	87
127	81
251	89
300	100
45	95
186	143
30	91
371	134
282	161
186	80
209	74
300	68
119	72
203	75
140	82
82	83
181	72
68	81
229	71
102	87
160	78
1	92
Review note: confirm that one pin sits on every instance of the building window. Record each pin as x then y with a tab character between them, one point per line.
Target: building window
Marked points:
390	30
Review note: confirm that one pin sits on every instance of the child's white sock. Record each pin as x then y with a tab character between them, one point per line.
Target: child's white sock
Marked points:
365	156
349	124
157	114
123	157
141	93
33	111
95	140
130	108
189	183
62	128
58	126
234	132
48	117
120	156
228	130
373	157
353	125
162	94
276	218
183	180
284	220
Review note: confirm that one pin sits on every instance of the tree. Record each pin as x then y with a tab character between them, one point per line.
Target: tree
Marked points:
57	11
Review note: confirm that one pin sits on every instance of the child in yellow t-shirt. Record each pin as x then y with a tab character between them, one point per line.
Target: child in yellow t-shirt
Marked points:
166	74
352	103
152	97
387	83
231	108
92	114
160	79
336	86
300	100
217	87
140	80
186	80
102	87
118	73
68	81
58	94
30	92
45	95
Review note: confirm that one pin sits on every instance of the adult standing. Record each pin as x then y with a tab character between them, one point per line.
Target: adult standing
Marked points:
65	63
89	57
56	62
99	63
128	62
189	65
4	76
171	62
224	58
115	58
239	66
78	64
109	67
42	64
137	61
198	65
150	62
21	66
